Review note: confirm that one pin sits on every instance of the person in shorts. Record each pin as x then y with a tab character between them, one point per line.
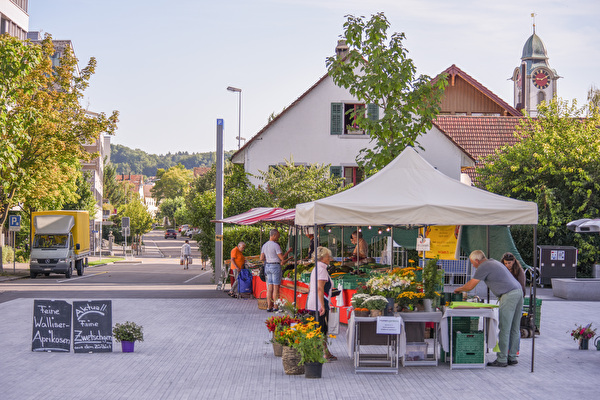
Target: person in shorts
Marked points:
272	258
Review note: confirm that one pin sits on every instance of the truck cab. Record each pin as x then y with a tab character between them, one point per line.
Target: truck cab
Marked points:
60	243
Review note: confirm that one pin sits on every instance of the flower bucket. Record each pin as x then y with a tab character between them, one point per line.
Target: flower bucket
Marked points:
277	349
583	344
375	313
313	370
389	309
290	359
127	347
428	305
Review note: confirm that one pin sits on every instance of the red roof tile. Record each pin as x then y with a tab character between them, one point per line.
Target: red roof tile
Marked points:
479	136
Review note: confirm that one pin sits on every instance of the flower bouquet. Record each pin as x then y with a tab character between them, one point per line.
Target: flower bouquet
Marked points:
391	284
376	304
583	334
309	342
278	321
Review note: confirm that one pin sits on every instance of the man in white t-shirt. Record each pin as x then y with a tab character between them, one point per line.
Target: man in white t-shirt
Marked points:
272	258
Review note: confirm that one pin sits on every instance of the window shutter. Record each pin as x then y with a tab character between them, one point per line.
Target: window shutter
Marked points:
337	119
373	111
335	171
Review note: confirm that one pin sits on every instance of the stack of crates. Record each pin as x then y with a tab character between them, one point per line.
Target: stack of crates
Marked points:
469	348
462	326
538	311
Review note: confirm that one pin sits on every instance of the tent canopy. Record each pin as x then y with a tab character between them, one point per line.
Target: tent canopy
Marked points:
261	214
409	191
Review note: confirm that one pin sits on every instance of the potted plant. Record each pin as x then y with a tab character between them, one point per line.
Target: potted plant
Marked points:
309	343
357	302
432	279
275	325
376	304
583	334
128	333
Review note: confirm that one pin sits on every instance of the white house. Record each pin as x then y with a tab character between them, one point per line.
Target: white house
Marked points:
316	129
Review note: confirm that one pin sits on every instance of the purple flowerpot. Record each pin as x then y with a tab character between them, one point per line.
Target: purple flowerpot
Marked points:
127	347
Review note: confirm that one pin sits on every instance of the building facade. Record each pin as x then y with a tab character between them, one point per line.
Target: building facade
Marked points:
14	18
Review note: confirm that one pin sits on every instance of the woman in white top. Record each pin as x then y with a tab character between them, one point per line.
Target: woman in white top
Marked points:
320	277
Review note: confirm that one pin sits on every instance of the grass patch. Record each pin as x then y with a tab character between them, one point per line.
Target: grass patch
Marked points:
104	261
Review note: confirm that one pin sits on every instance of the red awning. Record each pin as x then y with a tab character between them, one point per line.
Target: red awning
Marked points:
261	214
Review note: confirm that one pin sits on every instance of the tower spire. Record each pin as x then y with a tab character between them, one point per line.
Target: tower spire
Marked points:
533	18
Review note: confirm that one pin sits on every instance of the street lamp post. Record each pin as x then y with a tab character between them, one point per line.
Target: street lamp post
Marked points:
239	91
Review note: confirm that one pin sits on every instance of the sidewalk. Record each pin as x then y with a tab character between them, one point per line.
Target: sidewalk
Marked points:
218	348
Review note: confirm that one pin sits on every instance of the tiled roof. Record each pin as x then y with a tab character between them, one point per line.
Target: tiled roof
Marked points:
199	171
479	136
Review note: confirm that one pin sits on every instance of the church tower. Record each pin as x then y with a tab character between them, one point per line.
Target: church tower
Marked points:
534	81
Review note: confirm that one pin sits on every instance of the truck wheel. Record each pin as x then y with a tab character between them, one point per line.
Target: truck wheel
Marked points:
47	274
32	275
69	272
79	267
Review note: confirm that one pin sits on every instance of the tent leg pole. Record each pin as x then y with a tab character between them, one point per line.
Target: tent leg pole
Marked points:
533	301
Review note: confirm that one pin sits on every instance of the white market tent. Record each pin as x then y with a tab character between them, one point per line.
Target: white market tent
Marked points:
409	191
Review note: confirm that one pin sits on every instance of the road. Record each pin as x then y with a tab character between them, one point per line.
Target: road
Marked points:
143	277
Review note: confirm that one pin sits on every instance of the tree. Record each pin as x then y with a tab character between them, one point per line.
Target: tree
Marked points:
42	125
169	207
381	74
140	219
556	163
114	192
594	96
172	183
293	184
85	199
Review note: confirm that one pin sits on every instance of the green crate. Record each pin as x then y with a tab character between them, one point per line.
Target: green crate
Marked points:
465	324
538	310
469	348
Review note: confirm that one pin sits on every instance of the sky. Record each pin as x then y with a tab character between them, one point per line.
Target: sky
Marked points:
165	65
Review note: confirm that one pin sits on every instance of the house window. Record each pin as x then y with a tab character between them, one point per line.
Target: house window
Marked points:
352	175
350	125
344	123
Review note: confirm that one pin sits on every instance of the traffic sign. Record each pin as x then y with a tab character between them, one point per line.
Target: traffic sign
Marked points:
14	223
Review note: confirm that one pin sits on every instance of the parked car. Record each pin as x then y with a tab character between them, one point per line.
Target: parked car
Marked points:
191	232
183	228
171	233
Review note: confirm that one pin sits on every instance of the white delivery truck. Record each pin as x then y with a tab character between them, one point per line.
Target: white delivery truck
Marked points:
61	242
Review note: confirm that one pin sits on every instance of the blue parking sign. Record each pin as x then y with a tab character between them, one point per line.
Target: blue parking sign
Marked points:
14	222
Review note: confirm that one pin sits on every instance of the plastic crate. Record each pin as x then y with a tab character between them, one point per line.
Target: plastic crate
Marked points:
469	348
416	351
538	310
465	324
352	283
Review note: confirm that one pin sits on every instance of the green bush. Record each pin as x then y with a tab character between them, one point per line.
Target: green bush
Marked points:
7	254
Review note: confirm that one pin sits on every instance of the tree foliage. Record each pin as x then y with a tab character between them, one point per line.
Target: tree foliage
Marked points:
556	163
42	125
293	184
380	72
140	219
172	183
136	161
114	192
169	209
85	199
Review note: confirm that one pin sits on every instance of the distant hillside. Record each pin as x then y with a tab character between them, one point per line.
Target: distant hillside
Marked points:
138	161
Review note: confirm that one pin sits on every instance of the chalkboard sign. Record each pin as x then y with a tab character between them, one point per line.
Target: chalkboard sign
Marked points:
92	326
51	326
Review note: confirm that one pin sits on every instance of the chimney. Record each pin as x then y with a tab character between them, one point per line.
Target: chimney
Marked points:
341	50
